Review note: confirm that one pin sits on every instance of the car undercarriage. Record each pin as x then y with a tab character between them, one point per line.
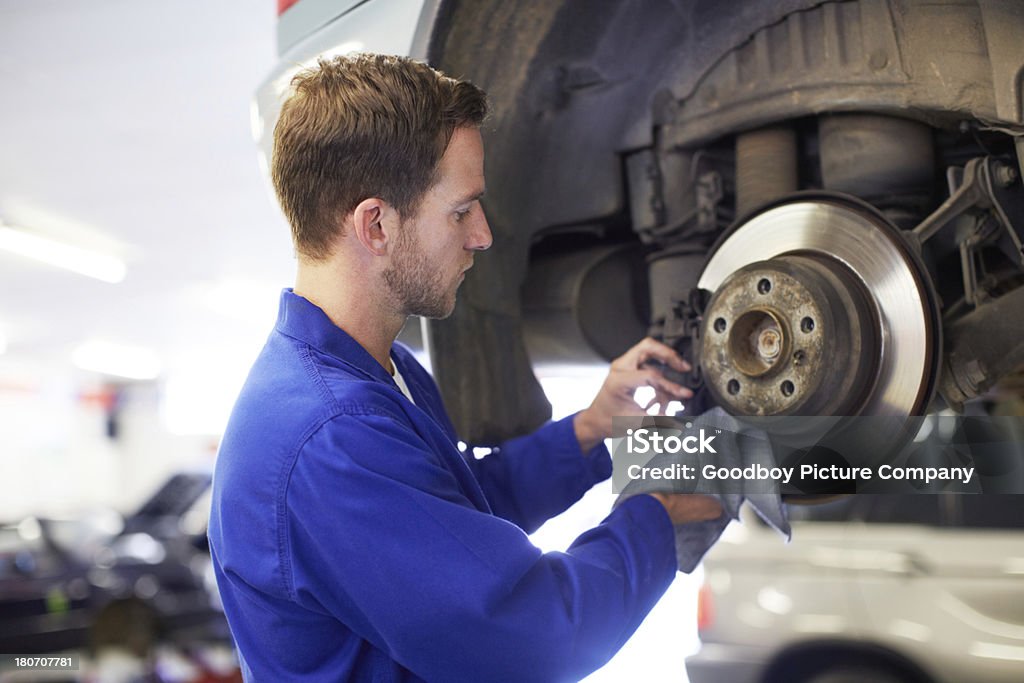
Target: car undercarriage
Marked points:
819	203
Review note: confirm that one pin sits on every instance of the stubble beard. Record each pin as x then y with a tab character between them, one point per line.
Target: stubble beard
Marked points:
417	286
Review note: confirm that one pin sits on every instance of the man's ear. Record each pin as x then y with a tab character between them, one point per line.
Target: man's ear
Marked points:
368	223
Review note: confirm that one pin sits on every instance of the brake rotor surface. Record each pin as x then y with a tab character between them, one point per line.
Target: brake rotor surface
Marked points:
819	308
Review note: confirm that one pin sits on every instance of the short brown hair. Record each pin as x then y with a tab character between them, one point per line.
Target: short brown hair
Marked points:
362	126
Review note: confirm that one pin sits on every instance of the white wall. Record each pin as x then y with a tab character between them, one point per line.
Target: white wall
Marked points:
57	460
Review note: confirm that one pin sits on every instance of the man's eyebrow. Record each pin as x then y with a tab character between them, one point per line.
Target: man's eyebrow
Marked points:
472	198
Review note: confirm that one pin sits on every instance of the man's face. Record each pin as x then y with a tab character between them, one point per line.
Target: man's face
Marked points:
435	247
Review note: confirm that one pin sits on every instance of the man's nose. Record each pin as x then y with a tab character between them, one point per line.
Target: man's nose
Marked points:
479	237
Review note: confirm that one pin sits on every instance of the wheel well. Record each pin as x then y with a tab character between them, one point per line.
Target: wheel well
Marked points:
802	661
624	124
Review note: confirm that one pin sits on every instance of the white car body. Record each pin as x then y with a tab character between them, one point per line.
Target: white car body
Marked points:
946	602
314	29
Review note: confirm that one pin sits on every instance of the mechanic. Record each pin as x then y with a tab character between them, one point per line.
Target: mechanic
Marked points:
351	538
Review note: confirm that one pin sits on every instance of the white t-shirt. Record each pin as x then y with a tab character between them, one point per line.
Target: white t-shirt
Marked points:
400	381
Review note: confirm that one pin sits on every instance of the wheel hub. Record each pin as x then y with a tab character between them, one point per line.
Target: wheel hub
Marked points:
819	308
793	335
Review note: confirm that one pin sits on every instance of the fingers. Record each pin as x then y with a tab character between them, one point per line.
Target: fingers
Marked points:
662	400
631	380
684	508
649	349
641	366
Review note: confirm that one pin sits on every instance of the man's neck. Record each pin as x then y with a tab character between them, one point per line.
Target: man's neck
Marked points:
352	303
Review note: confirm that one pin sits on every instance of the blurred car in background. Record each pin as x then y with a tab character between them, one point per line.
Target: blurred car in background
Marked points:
70	584
886	589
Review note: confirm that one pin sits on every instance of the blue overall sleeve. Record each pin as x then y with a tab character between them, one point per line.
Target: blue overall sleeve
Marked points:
530	479
380	535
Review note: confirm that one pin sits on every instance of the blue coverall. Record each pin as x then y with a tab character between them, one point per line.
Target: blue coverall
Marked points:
353	541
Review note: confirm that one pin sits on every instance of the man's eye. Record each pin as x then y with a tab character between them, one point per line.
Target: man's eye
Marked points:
459	215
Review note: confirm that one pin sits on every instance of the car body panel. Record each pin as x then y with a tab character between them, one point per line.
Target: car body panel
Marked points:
383	26
948	600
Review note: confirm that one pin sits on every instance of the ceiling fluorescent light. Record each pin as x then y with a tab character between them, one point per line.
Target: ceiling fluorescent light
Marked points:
114	359
62	255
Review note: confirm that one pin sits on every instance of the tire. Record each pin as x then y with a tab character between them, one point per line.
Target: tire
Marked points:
858	673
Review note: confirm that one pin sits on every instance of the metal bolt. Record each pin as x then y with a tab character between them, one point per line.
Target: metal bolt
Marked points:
1006	174
878	60
975	373
769	344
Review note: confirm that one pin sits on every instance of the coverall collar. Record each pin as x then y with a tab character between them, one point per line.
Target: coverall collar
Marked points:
301	319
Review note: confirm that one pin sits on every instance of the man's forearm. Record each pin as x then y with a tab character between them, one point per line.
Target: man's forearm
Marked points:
589	430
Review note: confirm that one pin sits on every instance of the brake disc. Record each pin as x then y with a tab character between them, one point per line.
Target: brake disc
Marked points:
819	308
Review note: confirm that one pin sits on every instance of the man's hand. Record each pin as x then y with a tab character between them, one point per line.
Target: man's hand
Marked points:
615	399
687	507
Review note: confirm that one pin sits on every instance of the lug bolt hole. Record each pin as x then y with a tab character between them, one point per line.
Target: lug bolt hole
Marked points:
720	325
787	388
807	325
733	387
764	286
